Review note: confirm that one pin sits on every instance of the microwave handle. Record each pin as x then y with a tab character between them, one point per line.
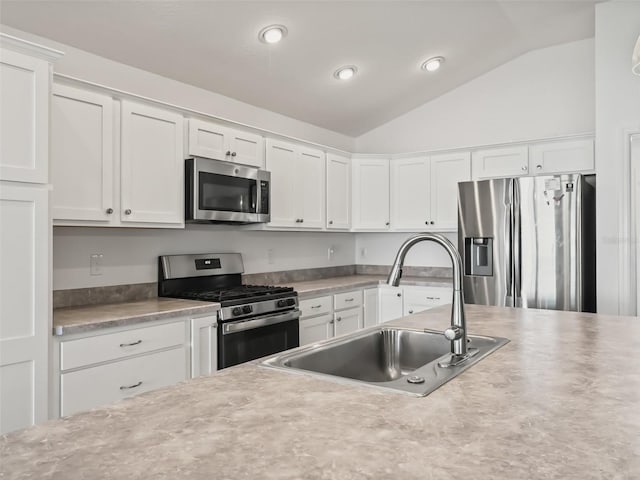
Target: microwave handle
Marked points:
253	194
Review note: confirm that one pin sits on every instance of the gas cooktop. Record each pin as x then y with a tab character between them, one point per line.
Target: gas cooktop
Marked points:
236	295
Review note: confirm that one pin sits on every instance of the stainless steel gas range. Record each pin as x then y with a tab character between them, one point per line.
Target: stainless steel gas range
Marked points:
254	320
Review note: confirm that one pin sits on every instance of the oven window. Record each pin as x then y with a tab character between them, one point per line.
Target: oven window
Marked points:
248	345
227	194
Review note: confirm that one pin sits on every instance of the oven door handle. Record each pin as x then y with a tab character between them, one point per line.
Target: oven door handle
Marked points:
242	325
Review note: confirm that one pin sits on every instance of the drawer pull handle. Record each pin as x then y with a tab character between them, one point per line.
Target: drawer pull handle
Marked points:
349	299
339	319
131	344
433	298
129	387
410	311
316	306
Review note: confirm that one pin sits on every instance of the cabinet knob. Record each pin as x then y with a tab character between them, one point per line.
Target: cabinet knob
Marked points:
127	211
233	154
398	294
525	168
228	153
330	322
339	319
302	220
410	312
539	167
427	222
387	224
330	222
109	211
432	222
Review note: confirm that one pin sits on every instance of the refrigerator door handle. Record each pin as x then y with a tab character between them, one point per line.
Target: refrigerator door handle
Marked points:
516	247
508	258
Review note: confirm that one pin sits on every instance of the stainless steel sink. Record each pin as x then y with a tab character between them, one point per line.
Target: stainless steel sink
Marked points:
400	359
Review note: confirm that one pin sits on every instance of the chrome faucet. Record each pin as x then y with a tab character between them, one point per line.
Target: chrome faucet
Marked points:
457	332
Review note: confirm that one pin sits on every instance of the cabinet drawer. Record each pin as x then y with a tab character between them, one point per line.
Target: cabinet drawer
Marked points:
427	295
112	346
315	306
348	300
91	387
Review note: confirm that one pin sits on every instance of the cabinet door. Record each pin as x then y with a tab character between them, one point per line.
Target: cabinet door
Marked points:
348	321
152	167
281	162
500	162
446	171
410	196
108	383
81	155
338	192
390	306
563	156
24	305
316	329
371	194
207	139
370	307
418	299
204	346
311	188
246	148
24	118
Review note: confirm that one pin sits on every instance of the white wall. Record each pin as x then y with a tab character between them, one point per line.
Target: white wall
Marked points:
618	111
543	93
87	66
381	249
131	255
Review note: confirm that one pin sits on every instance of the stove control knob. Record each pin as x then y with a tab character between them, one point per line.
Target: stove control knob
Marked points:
281	303
247	309
236	311
290	302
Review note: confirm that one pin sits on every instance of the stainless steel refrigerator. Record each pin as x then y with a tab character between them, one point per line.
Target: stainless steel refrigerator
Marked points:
529	242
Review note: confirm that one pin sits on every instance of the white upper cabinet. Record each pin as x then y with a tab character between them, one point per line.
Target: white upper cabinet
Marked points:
561	156
446	171
371	194
297	185
281	162
212	140
82	160
338	192
410	193
311	188
152	167
500	162
24	117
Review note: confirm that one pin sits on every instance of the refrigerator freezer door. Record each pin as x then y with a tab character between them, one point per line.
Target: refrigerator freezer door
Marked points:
484	240
547	242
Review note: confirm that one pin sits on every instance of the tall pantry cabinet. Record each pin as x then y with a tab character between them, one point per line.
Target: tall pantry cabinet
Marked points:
25	232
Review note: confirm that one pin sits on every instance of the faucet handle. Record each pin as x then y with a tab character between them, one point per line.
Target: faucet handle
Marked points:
453	333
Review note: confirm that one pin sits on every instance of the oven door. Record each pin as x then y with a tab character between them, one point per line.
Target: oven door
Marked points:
225	192
245	340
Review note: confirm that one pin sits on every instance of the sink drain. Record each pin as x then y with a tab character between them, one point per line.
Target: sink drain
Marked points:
415	379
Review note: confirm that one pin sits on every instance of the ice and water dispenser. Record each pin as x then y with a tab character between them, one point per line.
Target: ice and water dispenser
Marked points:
478	256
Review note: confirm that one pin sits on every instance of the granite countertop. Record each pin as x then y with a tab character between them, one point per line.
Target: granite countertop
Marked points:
560	401
70	320
327	286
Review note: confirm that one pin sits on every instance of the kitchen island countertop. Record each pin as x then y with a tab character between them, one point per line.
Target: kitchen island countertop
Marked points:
559	401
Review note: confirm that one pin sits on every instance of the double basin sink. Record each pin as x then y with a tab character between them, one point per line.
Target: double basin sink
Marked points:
399	359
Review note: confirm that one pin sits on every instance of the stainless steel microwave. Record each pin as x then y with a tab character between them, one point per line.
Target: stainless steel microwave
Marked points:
224	192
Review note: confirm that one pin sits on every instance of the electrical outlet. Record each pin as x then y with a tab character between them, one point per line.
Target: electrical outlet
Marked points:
95	264
270	256
363	252
331	251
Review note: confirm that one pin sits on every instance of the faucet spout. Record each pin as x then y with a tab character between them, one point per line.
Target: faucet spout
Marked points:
457	333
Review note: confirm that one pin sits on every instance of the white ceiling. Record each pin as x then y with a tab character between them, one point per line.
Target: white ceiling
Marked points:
214	45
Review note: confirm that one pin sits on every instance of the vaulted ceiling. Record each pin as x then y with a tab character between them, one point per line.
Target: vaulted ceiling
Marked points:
214	45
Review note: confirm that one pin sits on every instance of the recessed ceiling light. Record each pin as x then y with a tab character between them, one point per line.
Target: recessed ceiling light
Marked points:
432	64
345	73
272	33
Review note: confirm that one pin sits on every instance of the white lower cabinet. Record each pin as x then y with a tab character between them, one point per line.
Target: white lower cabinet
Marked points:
348	321
316	329
395	302
204	346
101	369
370	307
104	384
